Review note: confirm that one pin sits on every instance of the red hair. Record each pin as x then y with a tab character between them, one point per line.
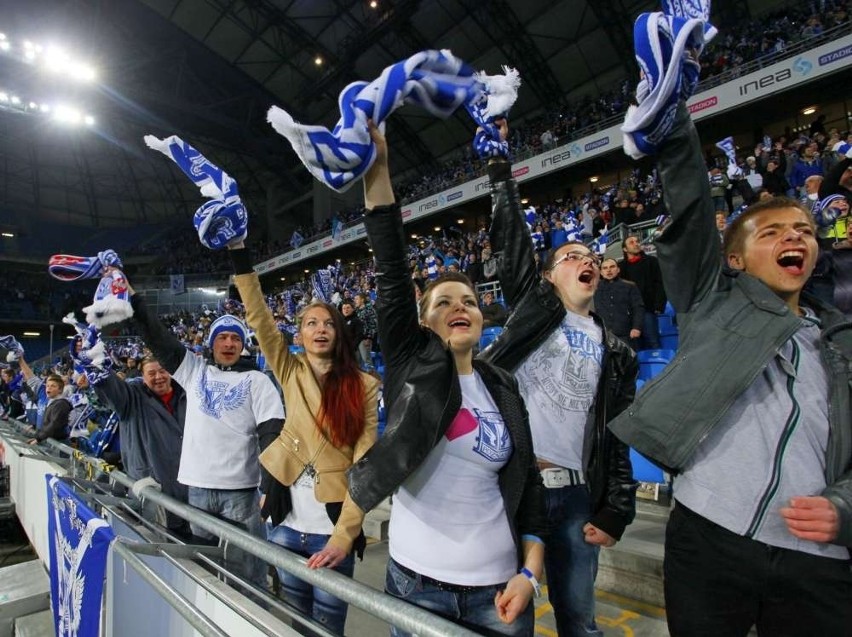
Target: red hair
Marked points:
341	417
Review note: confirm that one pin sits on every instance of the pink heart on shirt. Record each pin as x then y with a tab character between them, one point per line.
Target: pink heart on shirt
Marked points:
462	424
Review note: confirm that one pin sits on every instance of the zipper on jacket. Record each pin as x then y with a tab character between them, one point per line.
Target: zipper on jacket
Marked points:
786	435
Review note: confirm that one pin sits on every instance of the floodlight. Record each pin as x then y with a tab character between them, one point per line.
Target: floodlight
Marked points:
89	120
67	115
29	54
28	45
44	108
4	45
33	105
15	100
4	97
2	36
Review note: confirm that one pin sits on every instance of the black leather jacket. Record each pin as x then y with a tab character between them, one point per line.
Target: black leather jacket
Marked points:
537	311
422	394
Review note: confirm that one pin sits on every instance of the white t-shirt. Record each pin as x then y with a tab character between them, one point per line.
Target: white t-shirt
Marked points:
559	383
307	515
223	410
448	520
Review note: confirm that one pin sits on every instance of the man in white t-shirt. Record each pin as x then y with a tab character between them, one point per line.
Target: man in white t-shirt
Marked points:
574	377
229	406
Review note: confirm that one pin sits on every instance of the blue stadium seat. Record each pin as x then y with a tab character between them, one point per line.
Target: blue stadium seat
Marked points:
668	332
669	311
488	335
652	362
644	470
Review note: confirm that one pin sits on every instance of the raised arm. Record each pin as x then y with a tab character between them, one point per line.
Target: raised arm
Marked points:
509	235
688	249
165	345
272	342
399	327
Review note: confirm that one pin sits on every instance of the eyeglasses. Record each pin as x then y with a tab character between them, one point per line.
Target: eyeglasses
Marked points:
594	259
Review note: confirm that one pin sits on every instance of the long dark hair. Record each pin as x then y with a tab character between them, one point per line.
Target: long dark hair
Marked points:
341	415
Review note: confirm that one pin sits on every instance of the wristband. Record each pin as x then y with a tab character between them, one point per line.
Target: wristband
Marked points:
529	575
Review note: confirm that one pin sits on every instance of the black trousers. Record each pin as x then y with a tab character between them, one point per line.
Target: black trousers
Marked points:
720	584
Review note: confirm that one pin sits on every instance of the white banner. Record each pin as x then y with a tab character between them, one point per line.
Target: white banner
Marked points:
826	59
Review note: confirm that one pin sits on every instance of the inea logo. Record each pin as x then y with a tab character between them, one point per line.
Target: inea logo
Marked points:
802	66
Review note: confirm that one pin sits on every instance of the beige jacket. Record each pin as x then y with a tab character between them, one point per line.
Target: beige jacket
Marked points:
300	441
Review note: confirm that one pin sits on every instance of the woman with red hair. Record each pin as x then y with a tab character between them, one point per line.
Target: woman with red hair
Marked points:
331	422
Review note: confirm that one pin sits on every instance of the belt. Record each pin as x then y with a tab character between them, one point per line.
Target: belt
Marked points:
558	477
442	586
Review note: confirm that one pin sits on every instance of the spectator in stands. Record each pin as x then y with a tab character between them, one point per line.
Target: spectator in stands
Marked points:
811	196
456	453
619	304
752	417
808	165
11	403
55	419
751	173
331	422
229	405
718	185
369	321
493	313
152	415
773	176
131	369
574	375
473	269
353	325
644	271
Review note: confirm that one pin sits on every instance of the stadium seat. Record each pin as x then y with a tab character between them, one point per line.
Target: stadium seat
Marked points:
488	335
669	311
643	469
667	331
653	361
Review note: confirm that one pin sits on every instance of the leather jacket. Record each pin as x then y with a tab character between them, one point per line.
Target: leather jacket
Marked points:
537	311
422	394
731	324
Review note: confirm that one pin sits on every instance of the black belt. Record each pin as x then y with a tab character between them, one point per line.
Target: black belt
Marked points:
441	586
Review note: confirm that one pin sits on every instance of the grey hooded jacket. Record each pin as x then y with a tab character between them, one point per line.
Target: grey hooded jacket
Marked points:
731	325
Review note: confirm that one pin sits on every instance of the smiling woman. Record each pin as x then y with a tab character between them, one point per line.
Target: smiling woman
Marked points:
467	512
331	422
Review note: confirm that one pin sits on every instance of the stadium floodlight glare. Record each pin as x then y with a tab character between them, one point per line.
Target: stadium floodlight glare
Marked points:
8	235
33	106
88	120
4	97
44	108
810	110
67	115
2	36
4	45
15	100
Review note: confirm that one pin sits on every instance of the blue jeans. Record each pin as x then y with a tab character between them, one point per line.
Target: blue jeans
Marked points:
650	338
242	507
474	610
306	598
571	562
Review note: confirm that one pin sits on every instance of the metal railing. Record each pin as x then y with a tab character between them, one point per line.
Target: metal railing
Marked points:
385	607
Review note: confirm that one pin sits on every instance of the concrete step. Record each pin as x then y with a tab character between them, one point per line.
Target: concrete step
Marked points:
376	521
35	625
633	568
24	589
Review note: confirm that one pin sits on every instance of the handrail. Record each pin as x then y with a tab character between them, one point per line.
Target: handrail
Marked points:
181	604
406	616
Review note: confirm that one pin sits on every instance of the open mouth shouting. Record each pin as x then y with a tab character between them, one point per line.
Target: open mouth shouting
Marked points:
586	276
792	261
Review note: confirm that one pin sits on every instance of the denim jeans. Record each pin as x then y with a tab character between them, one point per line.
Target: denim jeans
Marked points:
474	610
242	507
571	563
309	600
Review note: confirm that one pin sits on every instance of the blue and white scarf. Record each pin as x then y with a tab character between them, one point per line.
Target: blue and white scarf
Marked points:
111	303
223	219
663	41
15	349
434	80
92	356
500	94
